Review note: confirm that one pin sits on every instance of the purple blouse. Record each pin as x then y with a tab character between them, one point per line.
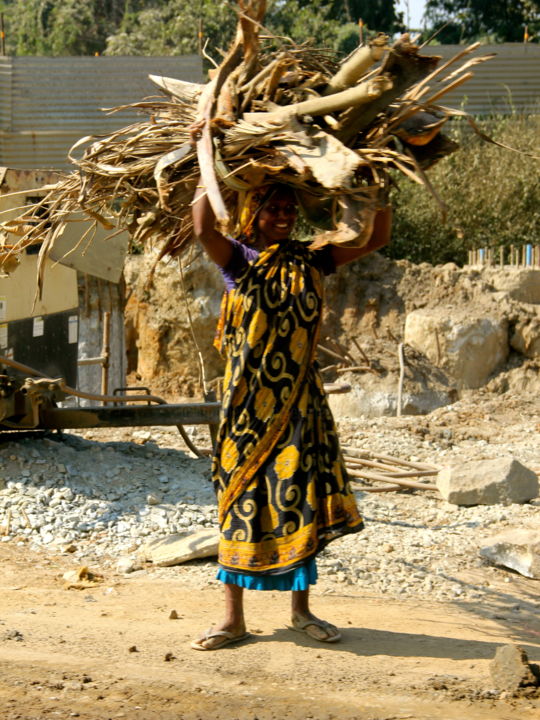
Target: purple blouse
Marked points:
243	255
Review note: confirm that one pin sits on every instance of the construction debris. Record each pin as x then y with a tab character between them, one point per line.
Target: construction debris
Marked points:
395	474
177	549
517	549
273	111
510	669
501	480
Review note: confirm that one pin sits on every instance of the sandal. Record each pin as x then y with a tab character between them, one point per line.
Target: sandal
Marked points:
303	625
225	638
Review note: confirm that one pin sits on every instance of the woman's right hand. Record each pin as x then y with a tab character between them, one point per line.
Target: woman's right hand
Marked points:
195	131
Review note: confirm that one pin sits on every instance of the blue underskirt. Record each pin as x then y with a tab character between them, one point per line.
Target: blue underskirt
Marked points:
298	579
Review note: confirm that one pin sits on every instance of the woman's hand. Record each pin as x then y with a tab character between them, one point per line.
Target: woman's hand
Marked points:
195	132
380	236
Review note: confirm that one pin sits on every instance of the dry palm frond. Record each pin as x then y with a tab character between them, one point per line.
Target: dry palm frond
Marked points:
289	114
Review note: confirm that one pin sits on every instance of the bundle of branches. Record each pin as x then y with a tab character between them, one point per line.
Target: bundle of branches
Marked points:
289	115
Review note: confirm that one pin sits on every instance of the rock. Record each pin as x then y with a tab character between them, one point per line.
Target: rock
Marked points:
466	346
127	565
526	337
177	549
488	482
510	668
518	550
520	283
153	499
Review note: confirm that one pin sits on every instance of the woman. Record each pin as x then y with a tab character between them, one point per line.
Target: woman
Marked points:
282	488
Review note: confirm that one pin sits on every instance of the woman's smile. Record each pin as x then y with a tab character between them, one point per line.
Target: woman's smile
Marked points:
277	217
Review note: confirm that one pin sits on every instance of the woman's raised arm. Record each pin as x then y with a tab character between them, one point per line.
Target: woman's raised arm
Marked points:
217	245
382	232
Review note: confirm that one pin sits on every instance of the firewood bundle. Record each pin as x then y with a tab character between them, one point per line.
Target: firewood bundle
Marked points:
273	112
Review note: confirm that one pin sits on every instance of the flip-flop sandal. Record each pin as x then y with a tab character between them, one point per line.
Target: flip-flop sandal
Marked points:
303	626
226	638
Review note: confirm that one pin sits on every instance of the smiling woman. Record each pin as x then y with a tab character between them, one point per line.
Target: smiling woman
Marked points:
282	488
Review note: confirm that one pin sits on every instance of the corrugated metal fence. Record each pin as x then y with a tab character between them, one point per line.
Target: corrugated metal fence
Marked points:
47	104
509	82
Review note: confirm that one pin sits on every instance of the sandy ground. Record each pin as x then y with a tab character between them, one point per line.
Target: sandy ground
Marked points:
112	651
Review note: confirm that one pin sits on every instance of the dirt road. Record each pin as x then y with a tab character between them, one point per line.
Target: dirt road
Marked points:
111	651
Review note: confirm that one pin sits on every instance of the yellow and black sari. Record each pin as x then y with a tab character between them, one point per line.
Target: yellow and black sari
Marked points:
281	484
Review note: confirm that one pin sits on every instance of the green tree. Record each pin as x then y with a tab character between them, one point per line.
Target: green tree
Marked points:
54	27
378	15
173	28
495	20
302	21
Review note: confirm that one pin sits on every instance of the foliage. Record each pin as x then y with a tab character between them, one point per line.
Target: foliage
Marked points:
495	20
492	194
378	15
49	27
176	27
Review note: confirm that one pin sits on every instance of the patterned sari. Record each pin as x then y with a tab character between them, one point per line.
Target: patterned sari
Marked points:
282	488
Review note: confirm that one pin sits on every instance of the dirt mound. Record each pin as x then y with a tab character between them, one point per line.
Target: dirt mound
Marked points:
171	324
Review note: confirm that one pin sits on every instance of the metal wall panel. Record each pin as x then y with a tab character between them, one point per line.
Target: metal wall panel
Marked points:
49	103
509	82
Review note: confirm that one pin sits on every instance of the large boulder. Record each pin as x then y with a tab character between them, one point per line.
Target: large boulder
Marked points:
522	284
518	550
425	388
468	347
495	481
171	317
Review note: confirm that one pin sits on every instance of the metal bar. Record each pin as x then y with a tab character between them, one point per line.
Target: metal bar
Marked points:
130	416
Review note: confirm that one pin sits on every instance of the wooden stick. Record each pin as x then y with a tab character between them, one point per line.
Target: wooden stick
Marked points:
367	488
390	468
339	348
333	354
389	458
359	348
352	97
382	478
395	474
328	368
357	368
401	378
353	68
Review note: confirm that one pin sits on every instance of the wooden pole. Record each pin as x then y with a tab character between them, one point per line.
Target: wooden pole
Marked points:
354	452
391	469
105	353
392	480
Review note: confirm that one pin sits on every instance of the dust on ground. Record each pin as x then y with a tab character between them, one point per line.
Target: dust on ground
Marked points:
112	651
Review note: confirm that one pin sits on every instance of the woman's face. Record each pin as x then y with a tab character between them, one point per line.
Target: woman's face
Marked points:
276	218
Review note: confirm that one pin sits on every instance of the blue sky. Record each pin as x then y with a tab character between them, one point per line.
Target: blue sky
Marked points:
416	10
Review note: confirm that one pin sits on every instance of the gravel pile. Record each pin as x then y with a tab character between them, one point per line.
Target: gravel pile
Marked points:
103	494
